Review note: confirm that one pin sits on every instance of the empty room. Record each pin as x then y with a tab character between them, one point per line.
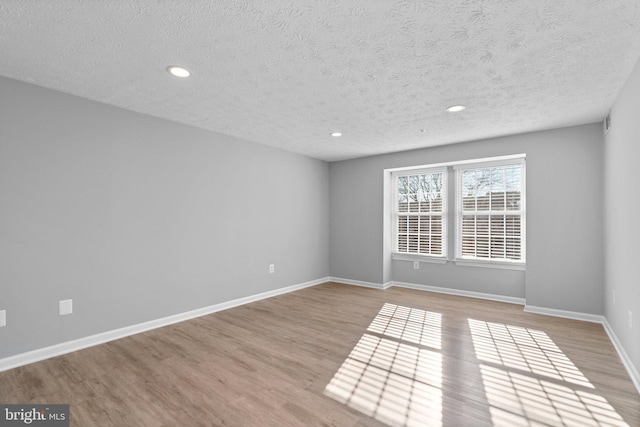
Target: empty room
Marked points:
319	212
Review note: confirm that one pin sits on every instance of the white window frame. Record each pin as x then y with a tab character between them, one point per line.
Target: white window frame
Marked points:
410	256
488	262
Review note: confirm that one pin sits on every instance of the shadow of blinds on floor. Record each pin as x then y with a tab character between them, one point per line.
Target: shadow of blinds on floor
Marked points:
528	380
394	373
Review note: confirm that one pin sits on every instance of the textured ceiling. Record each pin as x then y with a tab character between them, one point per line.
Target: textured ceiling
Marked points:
287	73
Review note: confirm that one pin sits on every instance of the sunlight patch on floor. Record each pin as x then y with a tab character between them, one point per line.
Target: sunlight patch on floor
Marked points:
391	374
529	381
525	349
409	324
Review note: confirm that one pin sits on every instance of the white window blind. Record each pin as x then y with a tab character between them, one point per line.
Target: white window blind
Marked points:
420	212
491	212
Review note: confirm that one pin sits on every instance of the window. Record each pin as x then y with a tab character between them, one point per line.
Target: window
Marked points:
488	196
490	210
420	212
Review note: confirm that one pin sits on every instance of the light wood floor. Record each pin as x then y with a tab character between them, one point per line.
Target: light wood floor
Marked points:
344	356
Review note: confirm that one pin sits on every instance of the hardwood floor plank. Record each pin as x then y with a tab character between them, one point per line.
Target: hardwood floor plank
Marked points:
339	355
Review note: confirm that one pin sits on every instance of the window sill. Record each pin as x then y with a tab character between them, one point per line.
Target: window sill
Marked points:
491	264
419	258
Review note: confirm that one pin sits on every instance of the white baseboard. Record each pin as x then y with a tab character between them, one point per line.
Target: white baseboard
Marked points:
438	289
358	283
626	360
586	317
462	293
92	340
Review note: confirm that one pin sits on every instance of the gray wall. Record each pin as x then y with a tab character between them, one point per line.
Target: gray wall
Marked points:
137	218
622	217
564	220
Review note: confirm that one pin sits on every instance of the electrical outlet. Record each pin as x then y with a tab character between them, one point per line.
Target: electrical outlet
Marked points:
630	319
272	268
416	265
3	318
65	307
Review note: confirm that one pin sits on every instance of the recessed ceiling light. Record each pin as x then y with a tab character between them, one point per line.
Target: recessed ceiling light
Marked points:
179	71
336	134
456	108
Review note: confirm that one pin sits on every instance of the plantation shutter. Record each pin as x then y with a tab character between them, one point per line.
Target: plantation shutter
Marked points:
420	212
491	212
